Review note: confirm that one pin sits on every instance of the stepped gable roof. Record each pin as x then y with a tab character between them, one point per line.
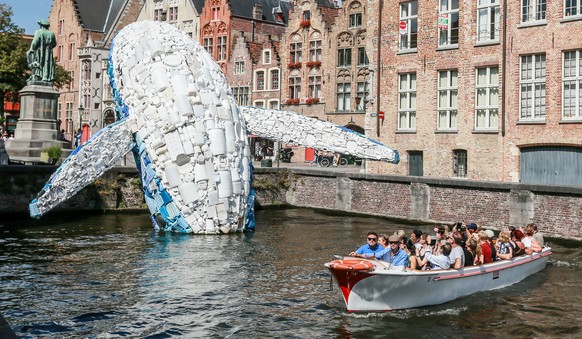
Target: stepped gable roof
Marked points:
244	8
98	15
329	15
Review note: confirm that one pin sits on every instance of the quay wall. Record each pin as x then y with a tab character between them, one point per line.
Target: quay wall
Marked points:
557	210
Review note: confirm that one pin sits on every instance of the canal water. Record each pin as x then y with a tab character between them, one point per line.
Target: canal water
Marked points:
110	276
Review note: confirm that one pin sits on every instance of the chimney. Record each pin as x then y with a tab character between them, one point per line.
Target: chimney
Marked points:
258	11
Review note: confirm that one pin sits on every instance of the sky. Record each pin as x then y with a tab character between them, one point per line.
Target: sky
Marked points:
28	12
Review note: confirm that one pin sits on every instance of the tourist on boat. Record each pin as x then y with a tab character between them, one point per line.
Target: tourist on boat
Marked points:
415	237
485	247
457	256
537	235
518	246
504	249
393	254
408	247
473	254
425	243
370	248
439	260
400	233
491	241
530	243
471	228
383	240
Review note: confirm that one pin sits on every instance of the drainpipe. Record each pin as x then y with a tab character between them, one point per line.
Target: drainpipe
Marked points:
503	65
378	70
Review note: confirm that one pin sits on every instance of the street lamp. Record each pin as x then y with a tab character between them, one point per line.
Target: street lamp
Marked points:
81	111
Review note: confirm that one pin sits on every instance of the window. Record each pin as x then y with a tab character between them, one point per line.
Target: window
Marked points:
447	100
273	104
72	51
61	26
294	87
86	68
239	67
241	95
221	48
415	163
356	20
275	79
260	80
572	7
362	57
533	87
208	45
267	56
343	96
314	86
306	15
572	85
409	14
315	50
295	54
159	15
407	101
259	104
60	54
460	163
488	20
344	57
215	13
69	116
173	14
362	95
448	22
533	10
487	98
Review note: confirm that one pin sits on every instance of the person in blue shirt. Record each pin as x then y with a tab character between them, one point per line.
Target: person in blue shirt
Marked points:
370	248
393	253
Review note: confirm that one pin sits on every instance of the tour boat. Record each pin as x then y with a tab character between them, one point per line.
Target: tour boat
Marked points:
376	286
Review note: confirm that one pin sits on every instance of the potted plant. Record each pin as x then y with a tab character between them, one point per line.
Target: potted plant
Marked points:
290	102
313	64
294	65
305	23
312	101
51	154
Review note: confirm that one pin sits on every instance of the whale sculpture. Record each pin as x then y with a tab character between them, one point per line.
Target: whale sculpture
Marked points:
178	116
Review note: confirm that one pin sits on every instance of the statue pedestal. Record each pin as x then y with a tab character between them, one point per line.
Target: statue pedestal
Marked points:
37	127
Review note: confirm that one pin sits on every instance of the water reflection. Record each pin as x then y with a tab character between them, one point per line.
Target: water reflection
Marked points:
109	275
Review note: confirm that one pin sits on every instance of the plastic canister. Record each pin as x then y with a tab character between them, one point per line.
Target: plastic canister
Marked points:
225	185
217	141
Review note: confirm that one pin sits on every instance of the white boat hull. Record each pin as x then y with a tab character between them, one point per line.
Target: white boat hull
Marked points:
385	289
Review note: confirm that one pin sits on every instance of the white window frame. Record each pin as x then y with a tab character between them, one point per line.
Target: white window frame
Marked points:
274	84
295	52
267	56
447	98
572	85
446	36
173	14
362	93
407	102
572	8
488	20
460	163
258	85
409	14
314	86
362	54
221	48
532	81
487	87
239	67
294	87
533	11
208	44
259	103
355	20
241	95
315	50
344	94
274	104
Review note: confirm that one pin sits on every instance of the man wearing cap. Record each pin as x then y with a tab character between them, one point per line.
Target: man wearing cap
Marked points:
369	249
393	254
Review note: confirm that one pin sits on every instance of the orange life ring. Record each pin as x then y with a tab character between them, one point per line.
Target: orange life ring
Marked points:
352	265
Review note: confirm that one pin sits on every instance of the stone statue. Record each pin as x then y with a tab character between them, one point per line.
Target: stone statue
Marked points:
40	55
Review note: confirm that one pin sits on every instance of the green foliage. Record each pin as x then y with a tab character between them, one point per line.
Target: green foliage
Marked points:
54	152
13	65
272	182
62	77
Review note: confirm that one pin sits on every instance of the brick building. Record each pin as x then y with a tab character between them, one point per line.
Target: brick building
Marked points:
482	91
84	29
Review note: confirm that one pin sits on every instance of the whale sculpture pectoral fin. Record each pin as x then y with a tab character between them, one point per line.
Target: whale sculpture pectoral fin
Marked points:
84	165
295	129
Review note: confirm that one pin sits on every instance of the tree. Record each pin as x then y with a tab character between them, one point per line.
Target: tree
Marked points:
13	65
62	77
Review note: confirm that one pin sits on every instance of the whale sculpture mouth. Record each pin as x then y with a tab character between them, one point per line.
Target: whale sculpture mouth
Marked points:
178	116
